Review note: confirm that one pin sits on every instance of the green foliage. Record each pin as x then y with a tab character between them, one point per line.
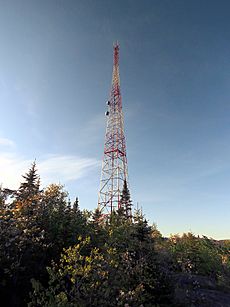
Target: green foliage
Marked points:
126	203
195	255
121	270
77	280
67	257
31	185
34	227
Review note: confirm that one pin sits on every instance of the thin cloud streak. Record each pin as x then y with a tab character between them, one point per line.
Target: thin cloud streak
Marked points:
12	167
65	168
6	142
52	168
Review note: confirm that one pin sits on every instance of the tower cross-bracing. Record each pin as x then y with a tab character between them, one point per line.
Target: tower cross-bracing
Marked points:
114	174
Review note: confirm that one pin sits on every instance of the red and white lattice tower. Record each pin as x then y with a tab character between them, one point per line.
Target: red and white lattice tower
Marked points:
114	166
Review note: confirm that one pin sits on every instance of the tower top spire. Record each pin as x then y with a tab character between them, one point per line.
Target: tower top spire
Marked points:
116	76
116	48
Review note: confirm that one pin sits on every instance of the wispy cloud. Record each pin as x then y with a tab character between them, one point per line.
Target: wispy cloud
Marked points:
11	169
6	142
65	168
51	168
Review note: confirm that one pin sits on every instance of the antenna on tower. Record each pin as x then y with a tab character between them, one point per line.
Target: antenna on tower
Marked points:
114	173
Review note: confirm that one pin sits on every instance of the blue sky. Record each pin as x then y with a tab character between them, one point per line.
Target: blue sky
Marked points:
55	76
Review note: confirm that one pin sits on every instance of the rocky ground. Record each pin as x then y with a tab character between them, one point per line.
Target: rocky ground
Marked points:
195	290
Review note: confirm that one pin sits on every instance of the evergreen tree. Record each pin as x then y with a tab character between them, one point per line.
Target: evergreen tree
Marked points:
126	202
98	232
97	218
31	185
76	205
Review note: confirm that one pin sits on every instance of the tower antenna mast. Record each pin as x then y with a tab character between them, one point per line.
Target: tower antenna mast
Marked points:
114	173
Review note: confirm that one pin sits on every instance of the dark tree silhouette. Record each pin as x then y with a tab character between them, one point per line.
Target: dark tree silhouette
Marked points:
31	185
126	202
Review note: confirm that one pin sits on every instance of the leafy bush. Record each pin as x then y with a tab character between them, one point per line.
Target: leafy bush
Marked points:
195	255
121	272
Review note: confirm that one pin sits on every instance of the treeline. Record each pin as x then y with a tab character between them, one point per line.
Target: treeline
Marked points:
54	254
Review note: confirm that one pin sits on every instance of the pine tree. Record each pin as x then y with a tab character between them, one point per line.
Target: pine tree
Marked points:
126	202
97	217
77	215
30	187
76	206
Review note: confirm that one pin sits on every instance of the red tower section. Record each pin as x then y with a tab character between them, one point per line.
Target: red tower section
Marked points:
114	166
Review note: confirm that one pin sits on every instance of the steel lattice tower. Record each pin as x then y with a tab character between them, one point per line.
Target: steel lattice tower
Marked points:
114	166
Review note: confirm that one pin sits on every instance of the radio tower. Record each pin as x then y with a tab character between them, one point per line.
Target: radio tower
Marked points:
114	174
